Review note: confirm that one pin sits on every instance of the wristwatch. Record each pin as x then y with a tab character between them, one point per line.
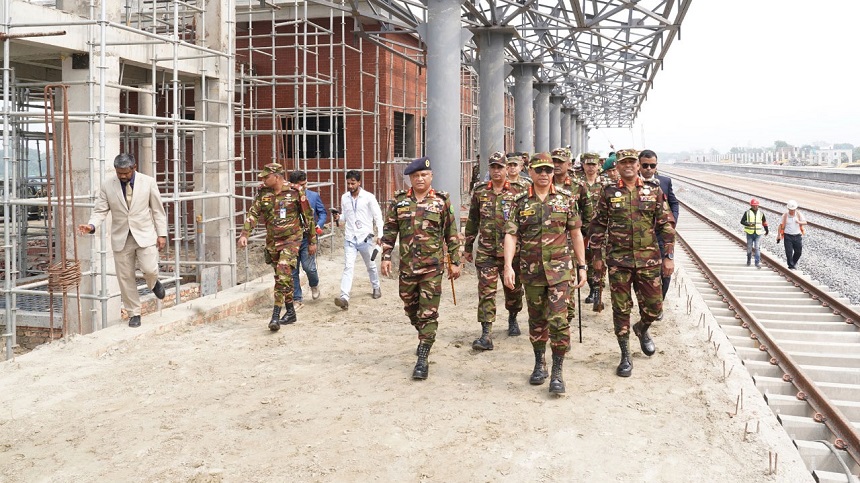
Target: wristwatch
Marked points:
670	256
582	267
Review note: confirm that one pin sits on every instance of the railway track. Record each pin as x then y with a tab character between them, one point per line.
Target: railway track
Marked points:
799	342
813	216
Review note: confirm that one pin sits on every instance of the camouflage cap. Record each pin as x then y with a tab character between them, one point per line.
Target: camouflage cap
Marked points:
540	159
561	153
271	168
590	158
623	154
498	158
525	157
514	158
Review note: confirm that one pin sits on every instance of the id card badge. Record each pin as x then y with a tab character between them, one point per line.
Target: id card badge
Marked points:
358	224
283	212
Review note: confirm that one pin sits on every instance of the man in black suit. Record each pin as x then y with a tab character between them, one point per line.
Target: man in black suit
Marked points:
648	170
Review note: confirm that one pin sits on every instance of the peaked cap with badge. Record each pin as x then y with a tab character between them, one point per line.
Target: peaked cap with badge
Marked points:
622	154
590	158
271	168
420	164
498	158
540	159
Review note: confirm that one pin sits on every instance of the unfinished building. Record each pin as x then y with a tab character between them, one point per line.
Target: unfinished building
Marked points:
204	92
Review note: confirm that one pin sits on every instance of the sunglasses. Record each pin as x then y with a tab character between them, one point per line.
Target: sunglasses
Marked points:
649	165
543	170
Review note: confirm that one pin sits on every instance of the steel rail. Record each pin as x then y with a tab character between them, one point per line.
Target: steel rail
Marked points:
702	184
848	437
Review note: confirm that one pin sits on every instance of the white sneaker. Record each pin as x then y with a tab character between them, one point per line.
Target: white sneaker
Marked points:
297	305
315	292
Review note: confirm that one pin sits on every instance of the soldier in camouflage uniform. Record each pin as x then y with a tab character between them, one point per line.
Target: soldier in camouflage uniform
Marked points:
542	220
424	220
561	179
491	206
594	184
514	163
630	214
285	212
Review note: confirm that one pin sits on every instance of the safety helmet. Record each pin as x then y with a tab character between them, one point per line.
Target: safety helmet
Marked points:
791	205
753	202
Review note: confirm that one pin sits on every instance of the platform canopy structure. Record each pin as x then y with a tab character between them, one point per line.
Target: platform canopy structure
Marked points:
602	54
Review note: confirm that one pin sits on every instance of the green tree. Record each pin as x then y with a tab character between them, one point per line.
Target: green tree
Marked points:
780	144
843	146
856	154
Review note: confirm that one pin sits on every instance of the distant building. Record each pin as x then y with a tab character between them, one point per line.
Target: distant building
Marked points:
832	157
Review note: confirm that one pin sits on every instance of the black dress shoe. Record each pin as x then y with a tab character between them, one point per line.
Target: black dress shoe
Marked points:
134	321
158	290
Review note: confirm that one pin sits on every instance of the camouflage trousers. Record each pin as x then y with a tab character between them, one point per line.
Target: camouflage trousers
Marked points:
649	294
591	274
420	295
283	261
488	281
547	319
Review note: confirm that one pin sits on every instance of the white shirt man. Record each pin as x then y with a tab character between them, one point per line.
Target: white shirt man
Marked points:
359	211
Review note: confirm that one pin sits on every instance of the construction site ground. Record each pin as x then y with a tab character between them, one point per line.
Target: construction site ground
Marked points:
204	392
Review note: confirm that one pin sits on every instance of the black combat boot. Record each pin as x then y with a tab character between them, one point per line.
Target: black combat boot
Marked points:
421	367
591	293
625	367
290	314
485	343
273	324
556	381
645	341
513	326
539	373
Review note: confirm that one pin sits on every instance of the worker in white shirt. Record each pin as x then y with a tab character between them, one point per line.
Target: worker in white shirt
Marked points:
360	211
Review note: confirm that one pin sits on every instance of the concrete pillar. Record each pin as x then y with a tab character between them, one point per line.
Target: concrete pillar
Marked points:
89	170
566	114
555	121
586	138
145	155
491	81
523	106
579	135
542	116
444	39
211	175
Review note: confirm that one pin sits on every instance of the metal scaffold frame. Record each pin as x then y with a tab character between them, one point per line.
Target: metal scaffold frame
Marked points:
151	67
333	82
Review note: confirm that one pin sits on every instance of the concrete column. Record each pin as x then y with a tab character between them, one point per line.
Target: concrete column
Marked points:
145	155
89	171
542	116
579	135
523	106
585	141
566	114
444	39
491	81
555	121
212	175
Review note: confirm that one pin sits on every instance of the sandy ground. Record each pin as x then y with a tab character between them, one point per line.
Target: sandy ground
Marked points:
330	399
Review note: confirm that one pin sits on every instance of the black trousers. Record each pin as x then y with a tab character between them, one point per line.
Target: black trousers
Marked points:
793	249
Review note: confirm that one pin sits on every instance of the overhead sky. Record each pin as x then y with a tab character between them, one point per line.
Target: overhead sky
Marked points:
747	73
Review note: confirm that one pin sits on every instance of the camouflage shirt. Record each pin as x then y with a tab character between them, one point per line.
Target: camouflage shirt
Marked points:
488	213
282	214
577	190
592	195
627	221
542	229
423	228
